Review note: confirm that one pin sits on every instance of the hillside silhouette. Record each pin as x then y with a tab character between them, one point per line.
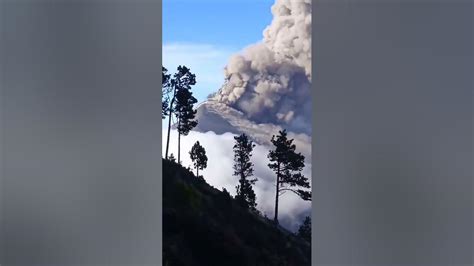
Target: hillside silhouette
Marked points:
203	226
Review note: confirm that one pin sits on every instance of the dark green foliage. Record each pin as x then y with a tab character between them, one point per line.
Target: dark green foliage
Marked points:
183	79
203	226
305	229
243	168
287	164
184	108
223	203
245	195
189	195
198	156
226	194
184	111
172	158
165	89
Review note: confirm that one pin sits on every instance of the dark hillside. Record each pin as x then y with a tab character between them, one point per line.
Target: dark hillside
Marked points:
203	226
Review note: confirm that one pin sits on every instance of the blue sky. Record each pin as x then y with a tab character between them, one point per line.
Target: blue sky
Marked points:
202	34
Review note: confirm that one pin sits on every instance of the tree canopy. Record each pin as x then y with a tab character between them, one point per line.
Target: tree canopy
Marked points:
184	111
165	98
305	229
198	156
243	168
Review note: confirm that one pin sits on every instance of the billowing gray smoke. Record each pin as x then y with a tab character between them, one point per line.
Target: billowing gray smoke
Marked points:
270	82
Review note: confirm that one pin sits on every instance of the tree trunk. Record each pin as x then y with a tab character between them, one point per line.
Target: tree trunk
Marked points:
179	143
169	124
275	219
197	171
168	137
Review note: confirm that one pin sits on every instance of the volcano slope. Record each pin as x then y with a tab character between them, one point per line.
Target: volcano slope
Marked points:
203	226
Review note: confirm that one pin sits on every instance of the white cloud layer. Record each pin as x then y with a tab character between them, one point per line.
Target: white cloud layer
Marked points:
219	173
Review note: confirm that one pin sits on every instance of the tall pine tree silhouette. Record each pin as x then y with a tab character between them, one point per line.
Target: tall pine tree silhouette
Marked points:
185	114
198	156
287	164
305	229
243	168
183	79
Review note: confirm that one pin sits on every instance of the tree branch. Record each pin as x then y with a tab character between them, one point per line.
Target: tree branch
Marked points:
305	195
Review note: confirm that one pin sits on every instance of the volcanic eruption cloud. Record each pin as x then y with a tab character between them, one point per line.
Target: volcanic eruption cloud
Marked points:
267	88
270	81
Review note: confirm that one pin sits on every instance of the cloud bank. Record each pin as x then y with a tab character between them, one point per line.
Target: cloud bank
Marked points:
219	173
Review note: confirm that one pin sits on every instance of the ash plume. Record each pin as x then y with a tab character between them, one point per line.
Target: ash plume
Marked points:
270	82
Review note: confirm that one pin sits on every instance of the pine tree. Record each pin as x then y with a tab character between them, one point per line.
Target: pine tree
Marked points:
171	158
305	229
165	89
183	79
185	114
287	164
198	156
243	168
